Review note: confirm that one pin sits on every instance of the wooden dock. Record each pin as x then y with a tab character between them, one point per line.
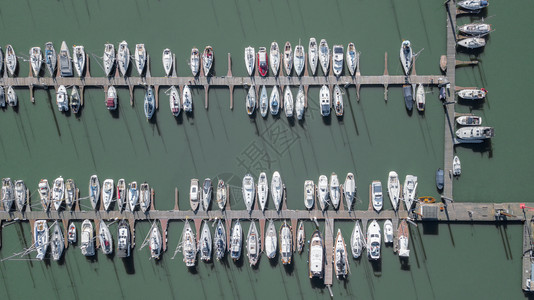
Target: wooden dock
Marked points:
527	258
328	251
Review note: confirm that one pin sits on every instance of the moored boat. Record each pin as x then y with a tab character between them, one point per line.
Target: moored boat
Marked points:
324	56
472	42
338	101
300	103
2	91
123	58
309	194
271	240
219	240
111	98
140	58
78	53
253	244
349	190
248	191
123	239
456	166
477	29
71	233
250	59
352	58
394	189
299	59
87	239
406	56
373	241
133	195
149	105
274	58
288	102
341	262
187	100
410	190
11	60
236	241
194	195
316	255
145	197
440	179
221	194
65	62
167	61
109	58
263	190
44	194
403	239
194	61
335	194
40	238
50	58
58	192
75	101
475	133
250	102
263	66
472	94
277	190
20	195
469	120
274	101
312	56
376	195
207	60
70	194
107	193
12	99
473	4
121	194
322	189
388	232
36	60
357	241
57	243
207	190
301	237
62	98
155	243
205	244
8	194
174	101
407	91
264	102
189	245
104	236
420	98
286	244
325	101
288	58
337	59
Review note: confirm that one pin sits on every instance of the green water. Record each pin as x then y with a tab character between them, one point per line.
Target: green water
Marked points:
374	137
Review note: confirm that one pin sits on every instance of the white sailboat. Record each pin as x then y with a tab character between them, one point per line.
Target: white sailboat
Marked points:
236	241
271	241
341	262
312	55
249	191
324	56
420	98
62	98
79	59
288	102
263	190
410	190
406	56
253	244
221	194
309	194
58	192
87	239
288	58
194	61
205	244
167	61
300	104
57	243
107	193
335	195
250	102
94	190
219	240
357	241
36	60
274	101
123	58
174	101
264	102
189	245
349	190
109	58
155	242
299	59
338	101
394	189
286	244
133	195
106	241
187	99
274	58
40	238
140	58
277	190
250	60
352	58
322	189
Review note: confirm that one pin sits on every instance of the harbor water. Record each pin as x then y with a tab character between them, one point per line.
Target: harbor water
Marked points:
461	261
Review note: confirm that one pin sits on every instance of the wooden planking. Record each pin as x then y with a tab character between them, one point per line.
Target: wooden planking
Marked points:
328	250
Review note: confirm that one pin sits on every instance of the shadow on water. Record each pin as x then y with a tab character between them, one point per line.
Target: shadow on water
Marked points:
404	263
317	283
128	263
327	120
274	261
431	228
505	241
289	268
376	265
483	147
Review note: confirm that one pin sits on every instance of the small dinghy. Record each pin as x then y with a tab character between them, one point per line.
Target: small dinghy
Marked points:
71	233
456	166
253	244
271	240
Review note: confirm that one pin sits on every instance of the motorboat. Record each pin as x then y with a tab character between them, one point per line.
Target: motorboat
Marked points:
316	255
264	102
394	189
149	105
78	53
325	101
277	190
341	262
2	91
111	99
337	59
167	61
288	58
286	244
376	195
36	60
50	58
71	233
263	66
324	56
288	102
194	195
476	29
12	99
58	192
145	197
352	58
263	190
274	58
133	195
187	100
335	194
250	102
349	190
253	244
456	166
440	179
472	42
312	55
87	239
357	241
189	245
420	98
309	194
472	94
207	60
44	194
155	242
62	98
41	238
473	4
123	57
274	101
373	241
271	240
322	190
236	241
221	194
207	191
388	232
107	193
70	194
406	56
65	62
174	101
219	240
403	235
250	59
20	195
475	133
57	242
109	59
75	101
248	191
194	62
301	237
123	239
11	60
140	58
205	244
8	193
300	103
410	191
104	236
338	101
469	120
299	59
408	96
